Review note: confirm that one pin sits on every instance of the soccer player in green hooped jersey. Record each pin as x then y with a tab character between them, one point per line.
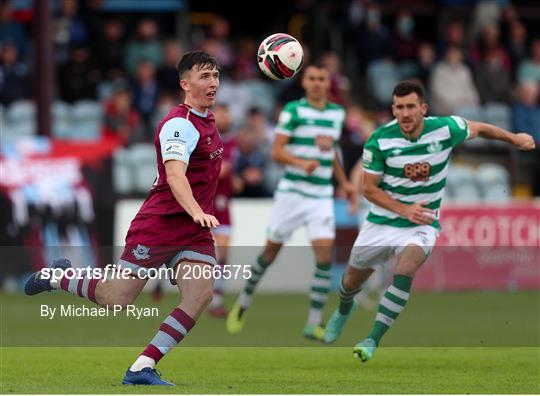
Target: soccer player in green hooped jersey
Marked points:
306	137
405	165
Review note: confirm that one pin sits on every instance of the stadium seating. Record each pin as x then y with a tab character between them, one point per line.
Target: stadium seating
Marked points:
87	120
61	120
494	181
142	157
462	184
383	75
122	172
21	119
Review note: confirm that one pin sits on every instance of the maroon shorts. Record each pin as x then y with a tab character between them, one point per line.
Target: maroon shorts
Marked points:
153	240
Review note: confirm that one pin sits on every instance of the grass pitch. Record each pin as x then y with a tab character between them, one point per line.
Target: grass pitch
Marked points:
443	343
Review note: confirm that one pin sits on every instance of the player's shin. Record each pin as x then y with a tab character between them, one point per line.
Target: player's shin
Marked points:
346	297
173	330
257	271
318	295
82	283
391	305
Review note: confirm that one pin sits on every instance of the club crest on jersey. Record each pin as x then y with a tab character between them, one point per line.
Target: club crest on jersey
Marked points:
208	140
435	147
141	252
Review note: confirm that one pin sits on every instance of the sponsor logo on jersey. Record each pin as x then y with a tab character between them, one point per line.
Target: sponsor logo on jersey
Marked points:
175	148
216	153
141	252
367	157
435	147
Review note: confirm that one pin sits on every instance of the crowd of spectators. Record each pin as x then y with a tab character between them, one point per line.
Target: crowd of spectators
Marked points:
489	58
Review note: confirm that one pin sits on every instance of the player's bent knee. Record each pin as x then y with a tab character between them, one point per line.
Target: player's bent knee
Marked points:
118	300
407	268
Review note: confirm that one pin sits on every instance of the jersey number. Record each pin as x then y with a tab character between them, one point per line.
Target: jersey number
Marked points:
419	171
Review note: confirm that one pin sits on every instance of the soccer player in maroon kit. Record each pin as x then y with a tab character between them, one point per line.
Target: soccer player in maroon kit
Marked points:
224	194
173	225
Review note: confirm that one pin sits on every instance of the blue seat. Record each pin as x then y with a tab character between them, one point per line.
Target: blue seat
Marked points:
142	158
21	119
383	75
122	172
61	119
462	181
87	120
494	181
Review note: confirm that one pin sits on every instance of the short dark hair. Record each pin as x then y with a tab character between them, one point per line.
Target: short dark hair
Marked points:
407	87
201	59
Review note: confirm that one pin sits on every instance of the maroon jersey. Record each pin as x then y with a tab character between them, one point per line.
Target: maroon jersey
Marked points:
225	184
193	138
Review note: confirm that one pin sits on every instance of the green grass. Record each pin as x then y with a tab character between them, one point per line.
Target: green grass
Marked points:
277	370
442	343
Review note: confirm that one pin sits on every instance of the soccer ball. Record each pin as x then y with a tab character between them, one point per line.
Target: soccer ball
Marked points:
280	56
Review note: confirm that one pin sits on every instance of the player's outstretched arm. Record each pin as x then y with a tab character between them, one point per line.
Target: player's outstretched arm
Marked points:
282	156
522	141
179	184
417	212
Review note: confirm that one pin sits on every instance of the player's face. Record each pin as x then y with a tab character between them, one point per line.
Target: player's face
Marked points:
200	86
409	111
316	82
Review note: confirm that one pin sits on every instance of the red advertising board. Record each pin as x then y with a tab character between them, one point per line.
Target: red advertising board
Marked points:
485	247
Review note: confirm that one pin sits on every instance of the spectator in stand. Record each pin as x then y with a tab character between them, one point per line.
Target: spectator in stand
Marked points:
526	111
358	127
451	85
425	60
235	91
166	102
404	40
529	70
69	30
10	30
250	165
340	84
146	46
120	118
490	43
14	75
221	47
79	77
373	41
517	45
454	36
110	50
167	75
264	133
492	63
145	93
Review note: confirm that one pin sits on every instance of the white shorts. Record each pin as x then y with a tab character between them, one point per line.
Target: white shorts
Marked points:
376	244
291	211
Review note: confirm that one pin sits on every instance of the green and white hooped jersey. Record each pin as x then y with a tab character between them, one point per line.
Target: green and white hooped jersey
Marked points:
412	170
313	135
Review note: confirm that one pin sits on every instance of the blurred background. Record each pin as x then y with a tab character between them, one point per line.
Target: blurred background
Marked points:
83	85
